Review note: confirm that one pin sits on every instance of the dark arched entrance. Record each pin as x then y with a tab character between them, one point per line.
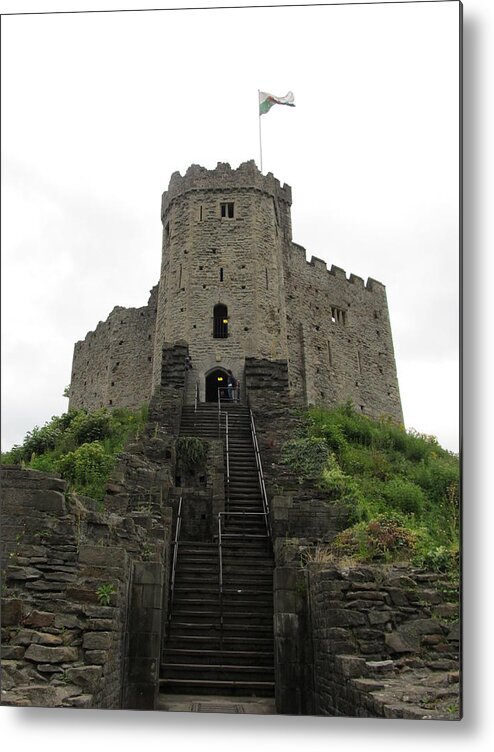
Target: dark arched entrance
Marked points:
214	380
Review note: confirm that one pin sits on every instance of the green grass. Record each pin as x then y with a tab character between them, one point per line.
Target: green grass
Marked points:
81	446
401	487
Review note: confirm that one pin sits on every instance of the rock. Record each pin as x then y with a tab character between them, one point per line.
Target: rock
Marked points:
22	573
382	667
97	640
12	652
82	701
41	695
399	643
39	619
350	665
87	677
44	654
11	612
96	656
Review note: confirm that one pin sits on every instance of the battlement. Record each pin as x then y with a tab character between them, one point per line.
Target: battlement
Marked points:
233	286
299	255
223	178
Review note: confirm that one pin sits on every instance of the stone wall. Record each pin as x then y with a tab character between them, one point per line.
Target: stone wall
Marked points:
382	641
339	335
67	570
332	331
112	366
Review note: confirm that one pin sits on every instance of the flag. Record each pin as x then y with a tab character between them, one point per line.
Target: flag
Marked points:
266	101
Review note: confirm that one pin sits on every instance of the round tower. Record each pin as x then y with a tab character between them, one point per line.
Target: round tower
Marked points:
222	285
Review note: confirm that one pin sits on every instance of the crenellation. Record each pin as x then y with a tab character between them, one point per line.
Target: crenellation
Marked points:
227	246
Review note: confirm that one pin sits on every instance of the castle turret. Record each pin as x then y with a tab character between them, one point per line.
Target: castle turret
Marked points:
222	285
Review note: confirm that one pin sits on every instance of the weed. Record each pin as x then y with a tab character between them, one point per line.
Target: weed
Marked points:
104	593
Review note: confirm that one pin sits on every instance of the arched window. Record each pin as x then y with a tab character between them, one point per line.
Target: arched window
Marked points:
220	321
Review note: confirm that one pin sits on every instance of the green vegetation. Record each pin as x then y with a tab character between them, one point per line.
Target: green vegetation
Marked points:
81	446
104	593
192	452
400	487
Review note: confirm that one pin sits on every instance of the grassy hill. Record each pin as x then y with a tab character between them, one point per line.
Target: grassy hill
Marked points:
401	487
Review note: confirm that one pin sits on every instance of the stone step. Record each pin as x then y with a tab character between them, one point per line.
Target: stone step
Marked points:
215	687
217	672
222	657
206	618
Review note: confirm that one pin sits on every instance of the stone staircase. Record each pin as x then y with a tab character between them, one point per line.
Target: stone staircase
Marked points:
224	646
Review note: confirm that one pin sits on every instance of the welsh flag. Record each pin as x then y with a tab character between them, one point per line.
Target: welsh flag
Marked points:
266	101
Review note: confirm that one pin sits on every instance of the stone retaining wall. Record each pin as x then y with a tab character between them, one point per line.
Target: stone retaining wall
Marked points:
67	569
382	641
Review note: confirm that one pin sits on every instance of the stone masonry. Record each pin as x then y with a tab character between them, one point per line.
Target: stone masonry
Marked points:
227	241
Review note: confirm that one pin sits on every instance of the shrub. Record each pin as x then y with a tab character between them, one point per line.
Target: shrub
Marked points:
191	451
87	469
306	456
404	495
88	427
383	538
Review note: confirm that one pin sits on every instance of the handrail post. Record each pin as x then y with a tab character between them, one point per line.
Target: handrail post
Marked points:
260	473
175	555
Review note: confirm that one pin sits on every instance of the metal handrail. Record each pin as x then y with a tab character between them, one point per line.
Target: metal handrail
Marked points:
196	399
175	554
220	584
227	448
262	485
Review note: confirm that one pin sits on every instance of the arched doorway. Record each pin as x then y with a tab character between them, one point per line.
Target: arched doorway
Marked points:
214	380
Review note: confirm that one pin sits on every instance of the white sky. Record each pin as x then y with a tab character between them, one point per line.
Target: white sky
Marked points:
99	109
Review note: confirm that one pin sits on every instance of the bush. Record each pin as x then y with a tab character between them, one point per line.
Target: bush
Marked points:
191	451
87	469
404	495
307	457
88	427
384	538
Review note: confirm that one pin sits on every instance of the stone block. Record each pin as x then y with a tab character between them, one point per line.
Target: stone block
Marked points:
143	670
285	578
399	643
379	617
22	573
97	640
339	617
87	677
286	624
39	619
144	645
45	654
29	500
350	665
82	701
96	656
12	652
103	556
148	573
12	610
28	636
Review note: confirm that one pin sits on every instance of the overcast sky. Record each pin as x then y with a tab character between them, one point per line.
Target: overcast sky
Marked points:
99	109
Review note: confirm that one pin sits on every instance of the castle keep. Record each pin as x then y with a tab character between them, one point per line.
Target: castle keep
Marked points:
233	285
197	582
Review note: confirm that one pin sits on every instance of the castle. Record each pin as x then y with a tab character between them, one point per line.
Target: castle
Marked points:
234	285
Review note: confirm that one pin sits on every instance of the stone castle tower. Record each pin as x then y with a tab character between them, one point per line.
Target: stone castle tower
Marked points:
234	285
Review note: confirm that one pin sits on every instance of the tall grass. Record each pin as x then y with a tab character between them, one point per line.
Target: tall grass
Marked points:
401	487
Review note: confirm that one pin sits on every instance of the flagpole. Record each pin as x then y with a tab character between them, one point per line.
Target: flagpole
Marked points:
260	140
